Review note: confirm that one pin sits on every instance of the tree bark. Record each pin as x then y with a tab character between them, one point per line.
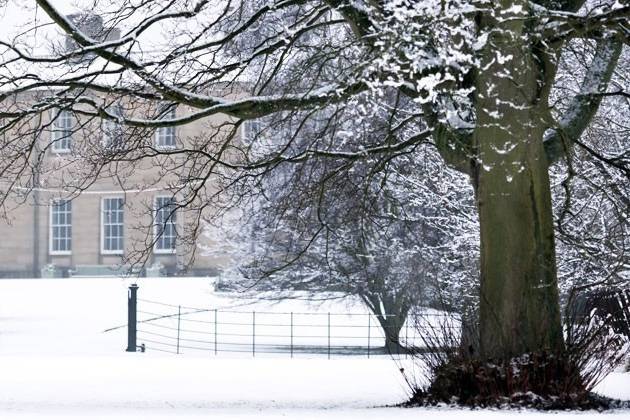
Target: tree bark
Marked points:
392	320
519	307
391	326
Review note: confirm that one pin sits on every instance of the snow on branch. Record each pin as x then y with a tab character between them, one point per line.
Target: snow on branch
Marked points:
585	104
556	26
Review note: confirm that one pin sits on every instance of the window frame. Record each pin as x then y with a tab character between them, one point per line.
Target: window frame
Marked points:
156	239
51	226
102	227
68	118
246	131
110	125
159	133
3	134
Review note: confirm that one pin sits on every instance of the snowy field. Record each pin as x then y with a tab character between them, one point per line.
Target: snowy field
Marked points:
57	363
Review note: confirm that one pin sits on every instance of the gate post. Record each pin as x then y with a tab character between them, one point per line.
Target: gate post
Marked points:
328	335
253	333
132	305
369	334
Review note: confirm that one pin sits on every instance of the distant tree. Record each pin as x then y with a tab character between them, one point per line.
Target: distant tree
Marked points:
391	238
381	230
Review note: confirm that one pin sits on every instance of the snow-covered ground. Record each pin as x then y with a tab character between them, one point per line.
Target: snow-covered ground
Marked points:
57	363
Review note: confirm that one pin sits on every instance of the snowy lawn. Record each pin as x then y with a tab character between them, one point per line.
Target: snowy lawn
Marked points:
56	363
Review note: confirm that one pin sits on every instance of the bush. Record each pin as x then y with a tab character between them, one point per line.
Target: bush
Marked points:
596	343
539	380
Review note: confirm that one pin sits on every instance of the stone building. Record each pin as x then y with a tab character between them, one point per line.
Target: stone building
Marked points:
126	220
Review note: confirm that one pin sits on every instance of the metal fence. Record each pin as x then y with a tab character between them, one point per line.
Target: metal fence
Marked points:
177	329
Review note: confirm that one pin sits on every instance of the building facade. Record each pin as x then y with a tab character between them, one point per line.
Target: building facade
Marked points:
68	214
125	220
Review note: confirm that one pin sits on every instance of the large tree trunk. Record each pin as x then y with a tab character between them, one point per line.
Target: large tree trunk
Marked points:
519	308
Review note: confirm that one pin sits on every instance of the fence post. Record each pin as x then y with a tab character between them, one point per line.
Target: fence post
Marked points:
253	333
407	337
179	315
369	331
132	320
291	335
328	335
398	328
215	331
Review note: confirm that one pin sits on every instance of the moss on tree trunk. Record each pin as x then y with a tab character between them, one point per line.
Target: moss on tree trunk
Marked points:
519	308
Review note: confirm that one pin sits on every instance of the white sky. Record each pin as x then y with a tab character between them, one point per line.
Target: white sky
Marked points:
15	15
20	17
26	26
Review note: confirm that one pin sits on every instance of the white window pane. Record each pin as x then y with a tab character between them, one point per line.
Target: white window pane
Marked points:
113	228
61	226
62	125
165	136
165	227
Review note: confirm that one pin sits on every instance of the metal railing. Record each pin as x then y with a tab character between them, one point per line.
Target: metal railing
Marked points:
177	329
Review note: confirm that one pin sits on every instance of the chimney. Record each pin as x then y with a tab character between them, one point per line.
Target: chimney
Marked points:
92	26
